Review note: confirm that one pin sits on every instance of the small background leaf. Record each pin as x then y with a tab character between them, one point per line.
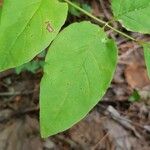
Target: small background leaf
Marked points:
135	96
134	15
32	66
79	67
27	27
75	12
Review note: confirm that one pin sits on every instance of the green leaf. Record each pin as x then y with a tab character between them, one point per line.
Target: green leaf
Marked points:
27	27
74	11
79	68
87	8
32	66
133	14
146	47
135	96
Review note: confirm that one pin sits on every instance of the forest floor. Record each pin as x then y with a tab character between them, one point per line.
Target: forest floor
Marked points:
120	121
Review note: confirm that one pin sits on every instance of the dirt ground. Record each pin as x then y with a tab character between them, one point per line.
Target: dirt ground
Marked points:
115	123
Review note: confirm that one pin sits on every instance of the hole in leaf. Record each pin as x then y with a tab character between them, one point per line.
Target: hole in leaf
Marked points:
49	27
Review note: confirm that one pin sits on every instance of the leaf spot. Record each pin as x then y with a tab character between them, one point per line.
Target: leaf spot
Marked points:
49	27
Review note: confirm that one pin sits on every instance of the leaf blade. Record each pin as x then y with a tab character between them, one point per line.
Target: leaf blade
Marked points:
28	31
76	76
133	15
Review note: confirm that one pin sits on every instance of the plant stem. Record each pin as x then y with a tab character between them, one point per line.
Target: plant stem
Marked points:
99	20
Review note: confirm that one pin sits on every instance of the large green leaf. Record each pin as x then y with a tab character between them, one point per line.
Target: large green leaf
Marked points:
133	14
146	47
27	27
79	67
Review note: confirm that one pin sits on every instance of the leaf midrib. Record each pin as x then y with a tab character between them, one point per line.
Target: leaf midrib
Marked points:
87	79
